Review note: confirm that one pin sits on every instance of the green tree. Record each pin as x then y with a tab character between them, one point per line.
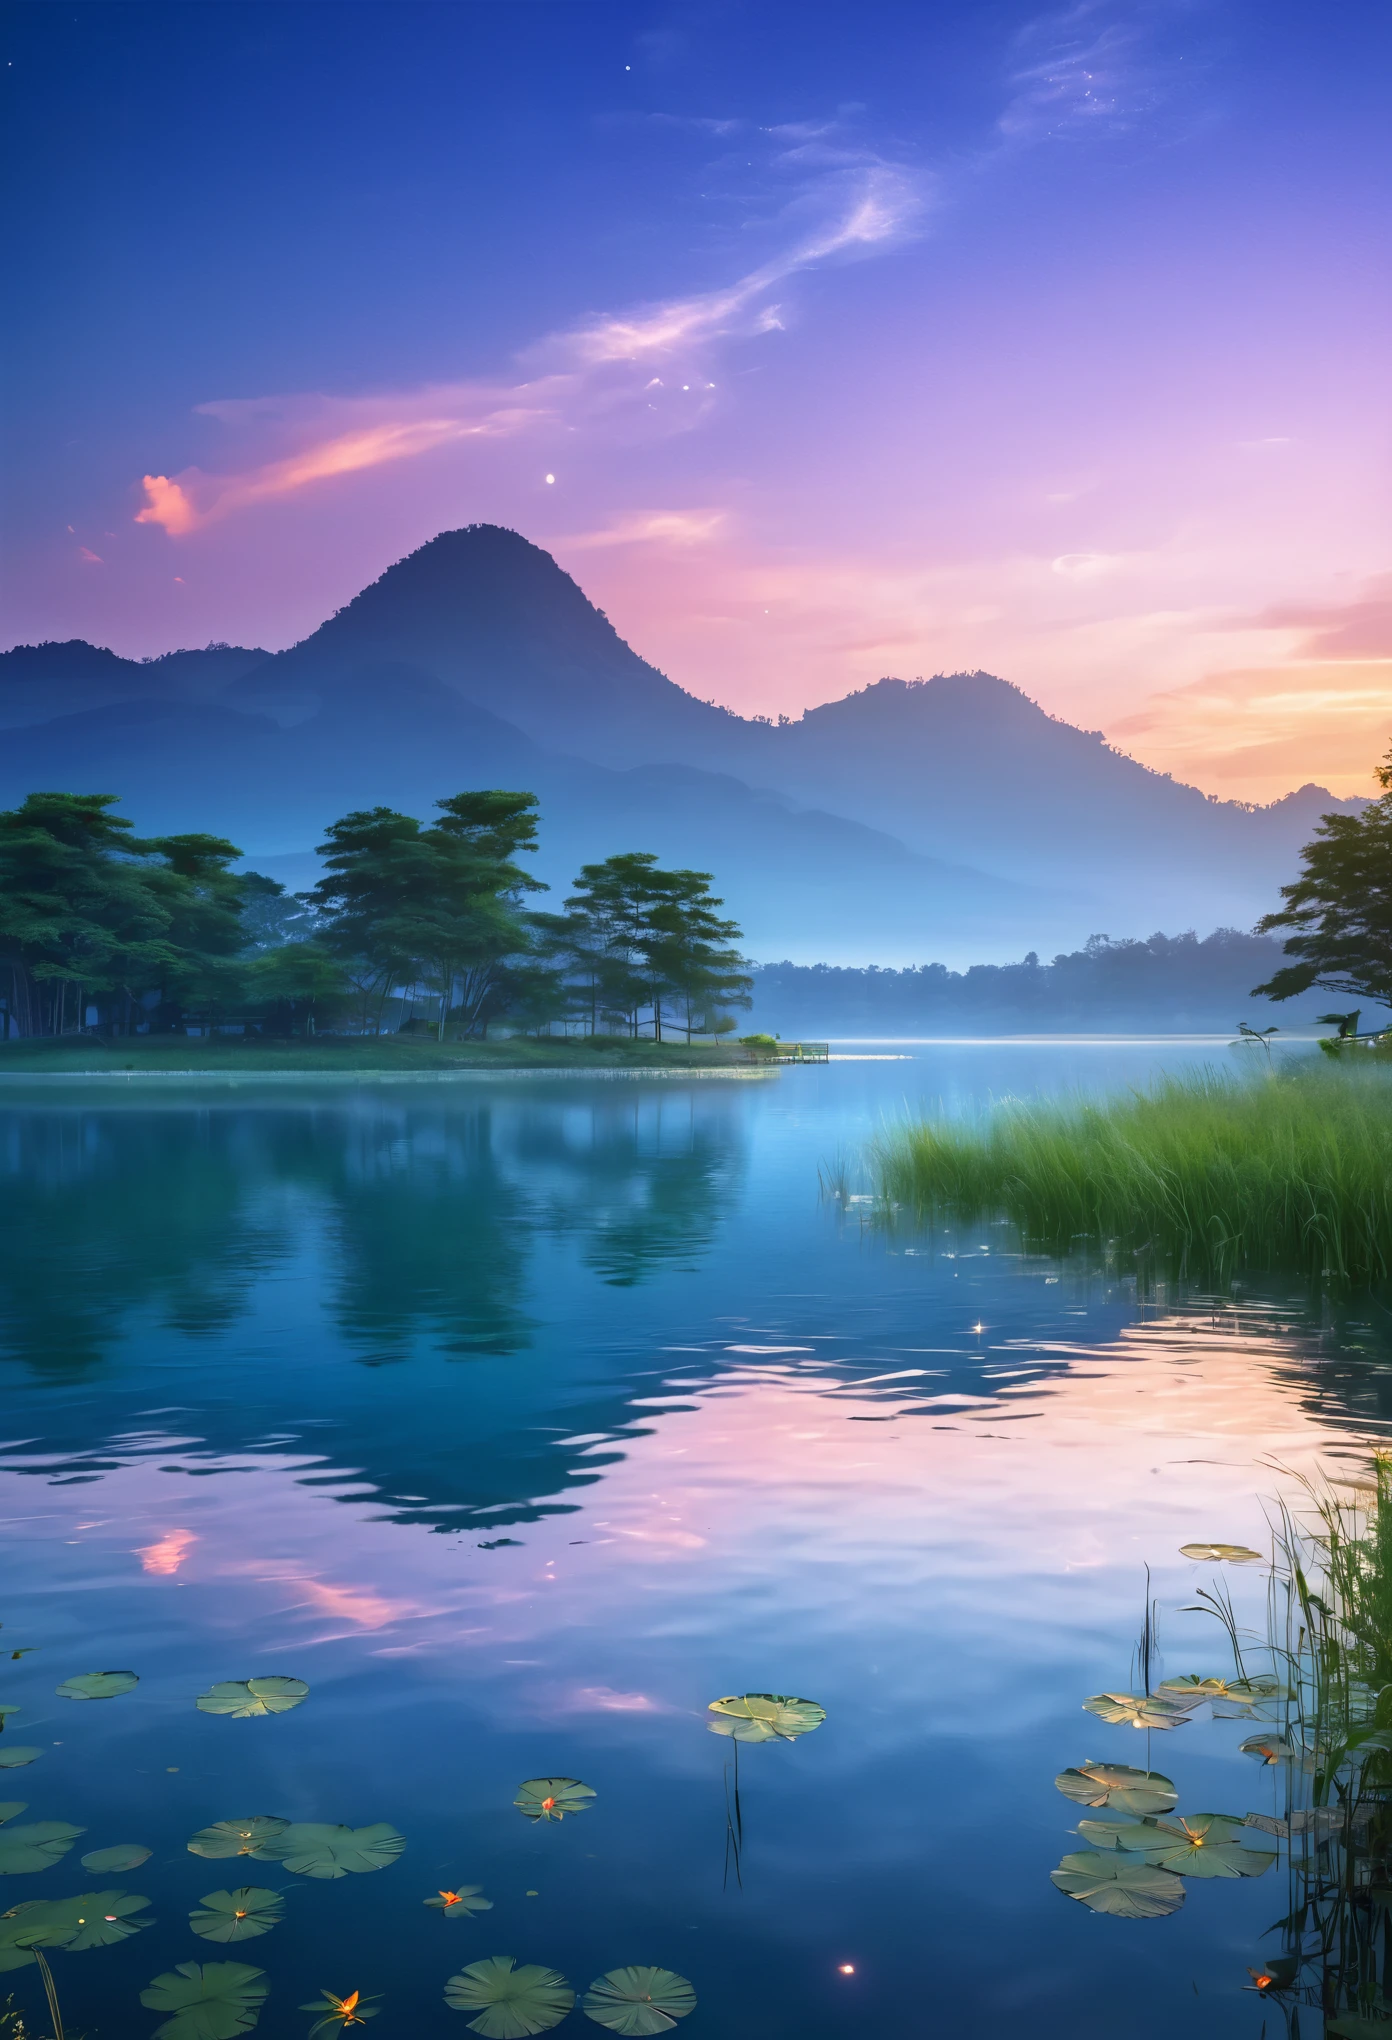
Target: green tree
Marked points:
634	936
293	989
78	913
437	905
1340	908
206	935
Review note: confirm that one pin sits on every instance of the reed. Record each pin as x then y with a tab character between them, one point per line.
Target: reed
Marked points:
1208	1175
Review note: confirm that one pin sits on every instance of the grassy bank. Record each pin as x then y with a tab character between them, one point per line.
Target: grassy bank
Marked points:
324	1054
1206	1175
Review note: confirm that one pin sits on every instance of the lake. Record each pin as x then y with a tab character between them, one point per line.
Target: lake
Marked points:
521	1420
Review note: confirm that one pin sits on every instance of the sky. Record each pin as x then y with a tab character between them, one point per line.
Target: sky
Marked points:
818	342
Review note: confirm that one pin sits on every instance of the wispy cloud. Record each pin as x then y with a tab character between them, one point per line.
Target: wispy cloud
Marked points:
609	363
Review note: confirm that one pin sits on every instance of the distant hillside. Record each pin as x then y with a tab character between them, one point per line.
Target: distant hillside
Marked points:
952	816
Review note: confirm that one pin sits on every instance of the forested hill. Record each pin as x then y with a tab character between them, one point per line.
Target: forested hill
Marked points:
1173	984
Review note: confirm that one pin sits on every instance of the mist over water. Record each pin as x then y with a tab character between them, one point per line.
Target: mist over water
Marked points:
524	1419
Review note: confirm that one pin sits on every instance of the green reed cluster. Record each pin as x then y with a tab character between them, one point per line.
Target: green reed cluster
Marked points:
1203	1176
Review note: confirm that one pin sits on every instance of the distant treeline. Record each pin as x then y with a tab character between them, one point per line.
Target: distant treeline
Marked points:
1177	983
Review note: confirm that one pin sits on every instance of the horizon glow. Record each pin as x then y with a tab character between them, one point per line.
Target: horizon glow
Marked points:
1050	342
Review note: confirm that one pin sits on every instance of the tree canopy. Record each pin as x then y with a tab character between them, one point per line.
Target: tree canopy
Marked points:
163	934
1340	907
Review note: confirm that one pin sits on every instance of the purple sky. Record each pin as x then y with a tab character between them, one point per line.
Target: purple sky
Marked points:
816	342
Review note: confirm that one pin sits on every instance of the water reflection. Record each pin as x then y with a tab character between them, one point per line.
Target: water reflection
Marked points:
674	1430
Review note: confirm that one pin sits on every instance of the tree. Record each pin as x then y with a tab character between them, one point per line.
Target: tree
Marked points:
635	936
293	988
1340	907
437	905
205	935
78	913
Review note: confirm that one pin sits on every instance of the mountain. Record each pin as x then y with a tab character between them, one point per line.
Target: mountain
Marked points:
950	818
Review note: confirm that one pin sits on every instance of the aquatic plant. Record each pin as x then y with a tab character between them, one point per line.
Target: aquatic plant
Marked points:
98	1685
340	2012
249	1837
1138	1710
510	2003
15	1756
209	2000
243	1698
237	1915
461	1904
34	1846
1199	1176
1128	1887
638	2000
764	1717
553	1798
312	1848
1118	1785
121	1856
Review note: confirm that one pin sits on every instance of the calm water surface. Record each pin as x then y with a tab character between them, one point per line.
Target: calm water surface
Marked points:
522	1420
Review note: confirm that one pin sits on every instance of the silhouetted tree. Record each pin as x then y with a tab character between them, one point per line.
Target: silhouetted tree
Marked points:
1340	907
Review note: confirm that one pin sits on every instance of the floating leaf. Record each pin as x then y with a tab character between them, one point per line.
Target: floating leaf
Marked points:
1193	1686
1137	1710
638	2000
1270	1749
210	2000
99	1919
314	1848
238	1837
553	1798
238	1915
764	1717
245	1697
121	1856
1118	1786
461	1903
5	1712
36	1845
97	1685
1206	1845
1132	1835
10	1807
511	2003
12	1758
340	2012
1216	1554
1119	1884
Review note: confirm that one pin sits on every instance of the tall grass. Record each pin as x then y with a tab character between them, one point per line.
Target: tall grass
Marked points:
1209	1174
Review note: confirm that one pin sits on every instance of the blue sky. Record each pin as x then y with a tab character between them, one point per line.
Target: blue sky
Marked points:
856	339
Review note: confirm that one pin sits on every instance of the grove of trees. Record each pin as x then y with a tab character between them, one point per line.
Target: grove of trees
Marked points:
104	931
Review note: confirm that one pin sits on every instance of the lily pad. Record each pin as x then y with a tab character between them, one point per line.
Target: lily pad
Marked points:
764	1717
10	1807
209	2000
238	1915
97	1685
314	1848
1134	1836
1217	1554
1270	1749
246	1697
511	2003
1137	1710
460	1904
16	1755
1206	1845
638	2000
1119	1787
1194	1686
36	1845
1120	1885
121	1856
238	1837
553	1798
99	1919
5	1713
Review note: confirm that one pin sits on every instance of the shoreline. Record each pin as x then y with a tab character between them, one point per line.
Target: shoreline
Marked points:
236	1079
